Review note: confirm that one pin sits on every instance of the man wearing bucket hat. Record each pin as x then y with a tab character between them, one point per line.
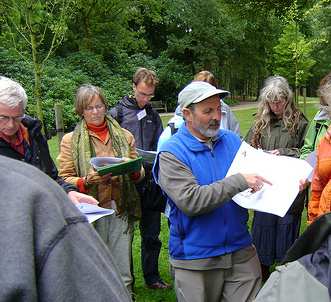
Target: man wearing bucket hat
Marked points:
209	244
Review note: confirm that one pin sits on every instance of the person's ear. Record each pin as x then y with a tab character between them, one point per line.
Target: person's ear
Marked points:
187	114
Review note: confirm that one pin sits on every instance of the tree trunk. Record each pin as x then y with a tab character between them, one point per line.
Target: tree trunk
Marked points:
37	70
58	109
87	41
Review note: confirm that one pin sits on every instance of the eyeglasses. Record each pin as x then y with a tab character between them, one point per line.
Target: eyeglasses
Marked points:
143	94
4	119
96	107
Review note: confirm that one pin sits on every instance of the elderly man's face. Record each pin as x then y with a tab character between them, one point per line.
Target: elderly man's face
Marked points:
10	119
204	121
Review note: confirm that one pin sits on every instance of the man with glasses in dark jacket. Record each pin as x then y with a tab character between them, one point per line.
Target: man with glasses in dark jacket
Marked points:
136	114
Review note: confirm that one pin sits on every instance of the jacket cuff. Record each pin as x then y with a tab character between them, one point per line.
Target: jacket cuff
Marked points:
68	187
81	185
135	176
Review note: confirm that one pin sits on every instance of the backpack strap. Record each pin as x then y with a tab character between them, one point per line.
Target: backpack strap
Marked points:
318	126
172	128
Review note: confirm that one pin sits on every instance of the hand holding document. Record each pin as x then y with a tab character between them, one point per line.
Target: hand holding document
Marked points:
93	212
283	172
115	165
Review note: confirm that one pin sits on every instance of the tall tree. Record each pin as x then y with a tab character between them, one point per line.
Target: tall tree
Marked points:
201	33
107	27
318	21
37	28
304	43
252	30
293	57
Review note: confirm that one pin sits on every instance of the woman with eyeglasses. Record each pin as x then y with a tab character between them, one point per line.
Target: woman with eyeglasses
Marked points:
279	128
98	134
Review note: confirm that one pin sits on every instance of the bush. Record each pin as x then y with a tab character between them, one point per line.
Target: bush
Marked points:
90	64
62	77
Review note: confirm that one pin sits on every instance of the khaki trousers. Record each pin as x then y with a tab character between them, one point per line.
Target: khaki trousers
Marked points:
118	236
240	283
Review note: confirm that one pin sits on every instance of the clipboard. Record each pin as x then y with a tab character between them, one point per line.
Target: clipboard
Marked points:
115	167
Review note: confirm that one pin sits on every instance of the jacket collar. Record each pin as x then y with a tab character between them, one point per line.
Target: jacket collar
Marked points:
131	103
31	123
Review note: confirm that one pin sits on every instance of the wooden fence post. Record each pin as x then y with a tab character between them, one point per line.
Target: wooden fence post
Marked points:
59	121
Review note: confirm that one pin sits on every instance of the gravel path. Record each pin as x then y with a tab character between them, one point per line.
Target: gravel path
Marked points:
241	105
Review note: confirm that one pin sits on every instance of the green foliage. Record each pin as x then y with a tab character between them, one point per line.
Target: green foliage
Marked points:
198	37
36	29
12	66
292	56
105	27
103	42
89	63
61	79
319	21
39	24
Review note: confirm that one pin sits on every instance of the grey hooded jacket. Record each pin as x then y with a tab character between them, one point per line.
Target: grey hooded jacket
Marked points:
49	252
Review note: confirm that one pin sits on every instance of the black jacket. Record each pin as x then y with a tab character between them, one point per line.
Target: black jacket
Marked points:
36	153
145	131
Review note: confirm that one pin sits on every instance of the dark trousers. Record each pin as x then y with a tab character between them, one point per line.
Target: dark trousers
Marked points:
150	225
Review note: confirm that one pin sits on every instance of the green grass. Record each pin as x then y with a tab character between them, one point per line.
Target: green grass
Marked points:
245	117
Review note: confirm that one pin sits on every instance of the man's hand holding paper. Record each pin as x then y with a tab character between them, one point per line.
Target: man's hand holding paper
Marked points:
285	174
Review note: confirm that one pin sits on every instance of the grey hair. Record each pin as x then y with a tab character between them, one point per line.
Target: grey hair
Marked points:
275	88
12	93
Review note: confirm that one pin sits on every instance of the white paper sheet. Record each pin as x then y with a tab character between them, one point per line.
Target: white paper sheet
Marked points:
311	159
93	212
283	172
98	162
148	156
